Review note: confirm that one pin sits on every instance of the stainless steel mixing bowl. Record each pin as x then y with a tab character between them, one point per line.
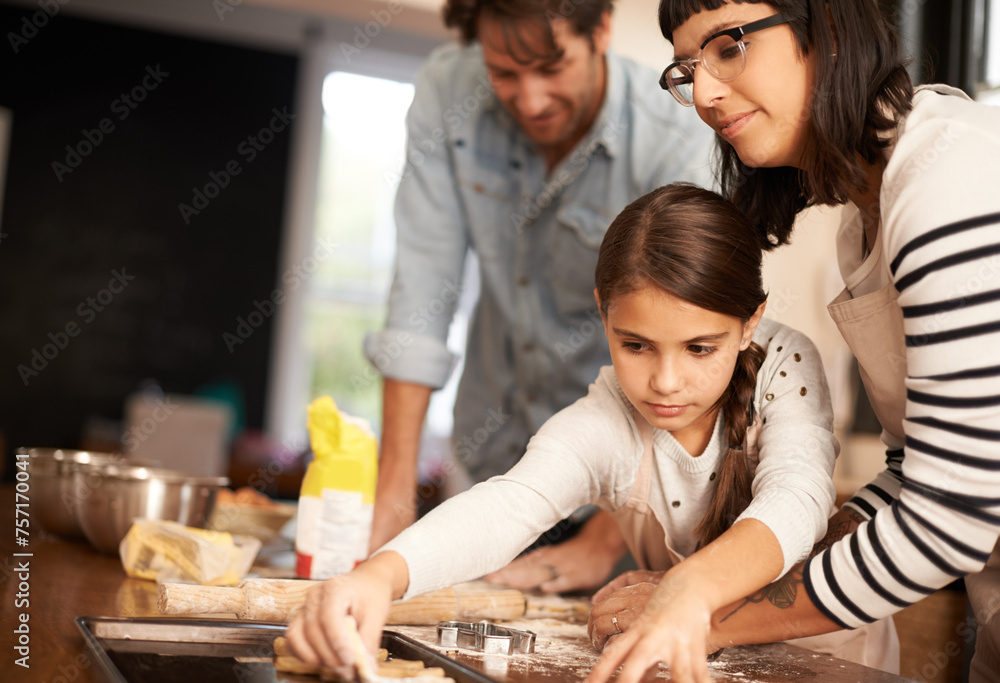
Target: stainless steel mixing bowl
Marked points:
111	496
53	503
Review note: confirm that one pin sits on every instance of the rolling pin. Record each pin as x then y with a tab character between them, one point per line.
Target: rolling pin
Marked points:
278	599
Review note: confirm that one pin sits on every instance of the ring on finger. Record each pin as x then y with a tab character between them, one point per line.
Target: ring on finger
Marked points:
614	622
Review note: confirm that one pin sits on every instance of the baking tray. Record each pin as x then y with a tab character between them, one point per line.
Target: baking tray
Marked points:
179	650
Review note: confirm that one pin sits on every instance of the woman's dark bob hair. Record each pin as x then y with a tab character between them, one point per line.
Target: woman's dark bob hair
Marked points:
862	91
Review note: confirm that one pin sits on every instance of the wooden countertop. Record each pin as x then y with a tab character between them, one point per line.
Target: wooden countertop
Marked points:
67	579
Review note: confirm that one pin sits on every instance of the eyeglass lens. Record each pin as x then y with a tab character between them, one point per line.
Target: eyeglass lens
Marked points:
723	57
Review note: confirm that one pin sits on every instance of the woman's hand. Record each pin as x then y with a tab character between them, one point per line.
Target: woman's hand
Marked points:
629	578
672	628
613	612
318	634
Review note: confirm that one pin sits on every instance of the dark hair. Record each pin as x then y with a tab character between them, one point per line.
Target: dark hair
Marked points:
861	93
698	247
584	16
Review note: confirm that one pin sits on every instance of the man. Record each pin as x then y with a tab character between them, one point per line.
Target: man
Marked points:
524	142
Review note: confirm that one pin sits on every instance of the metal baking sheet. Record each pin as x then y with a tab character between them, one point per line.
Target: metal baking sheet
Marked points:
179	650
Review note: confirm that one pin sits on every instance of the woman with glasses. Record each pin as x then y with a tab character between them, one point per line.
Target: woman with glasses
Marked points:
813	105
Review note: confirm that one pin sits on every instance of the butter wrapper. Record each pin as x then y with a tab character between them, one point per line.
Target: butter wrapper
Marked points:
160	550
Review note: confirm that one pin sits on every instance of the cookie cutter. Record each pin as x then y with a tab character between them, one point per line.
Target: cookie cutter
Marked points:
485	637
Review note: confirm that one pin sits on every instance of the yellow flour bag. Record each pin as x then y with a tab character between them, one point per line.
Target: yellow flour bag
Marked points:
338	493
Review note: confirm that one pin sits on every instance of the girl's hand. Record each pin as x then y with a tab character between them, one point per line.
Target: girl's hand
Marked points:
672	629
318	634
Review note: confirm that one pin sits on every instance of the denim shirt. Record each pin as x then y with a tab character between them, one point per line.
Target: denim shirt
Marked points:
473	182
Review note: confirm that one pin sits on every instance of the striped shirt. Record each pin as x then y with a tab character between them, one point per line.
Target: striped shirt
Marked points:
934	513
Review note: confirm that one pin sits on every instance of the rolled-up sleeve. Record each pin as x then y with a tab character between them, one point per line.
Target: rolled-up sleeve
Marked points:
431	240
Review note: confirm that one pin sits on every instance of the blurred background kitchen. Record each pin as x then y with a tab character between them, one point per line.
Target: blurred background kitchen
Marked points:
196	226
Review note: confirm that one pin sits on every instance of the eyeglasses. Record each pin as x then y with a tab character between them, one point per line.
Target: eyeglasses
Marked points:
723	54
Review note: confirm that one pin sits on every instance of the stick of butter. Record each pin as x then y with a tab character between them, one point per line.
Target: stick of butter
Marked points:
154	549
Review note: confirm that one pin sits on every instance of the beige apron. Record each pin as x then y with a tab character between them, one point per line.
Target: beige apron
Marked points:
872	326
875	645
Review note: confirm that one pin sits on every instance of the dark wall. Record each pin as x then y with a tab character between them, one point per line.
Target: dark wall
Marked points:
105	279
953	37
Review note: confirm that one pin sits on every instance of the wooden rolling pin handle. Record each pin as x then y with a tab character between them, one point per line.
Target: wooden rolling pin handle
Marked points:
278	599
184	598
499	604
274	599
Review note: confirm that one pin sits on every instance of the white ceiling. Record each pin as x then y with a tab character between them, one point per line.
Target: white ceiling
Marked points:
634	21
279	23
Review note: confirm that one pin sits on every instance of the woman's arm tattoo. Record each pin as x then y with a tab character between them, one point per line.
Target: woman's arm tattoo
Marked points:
782	593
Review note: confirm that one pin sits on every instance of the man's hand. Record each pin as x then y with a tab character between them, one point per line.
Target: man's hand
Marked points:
583	562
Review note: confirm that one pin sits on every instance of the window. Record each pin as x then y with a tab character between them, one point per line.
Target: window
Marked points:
361	158
990	82
341	232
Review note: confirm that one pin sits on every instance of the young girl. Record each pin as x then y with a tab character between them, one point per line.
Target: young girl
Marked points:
710	438
812	105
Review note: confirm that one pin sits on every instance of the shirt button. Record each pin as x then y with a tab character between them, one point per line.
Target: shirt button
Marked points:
712	477
676	504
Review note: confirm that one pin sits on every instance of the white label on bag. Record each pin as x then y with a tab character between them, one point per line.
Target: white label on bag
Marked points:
342	534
